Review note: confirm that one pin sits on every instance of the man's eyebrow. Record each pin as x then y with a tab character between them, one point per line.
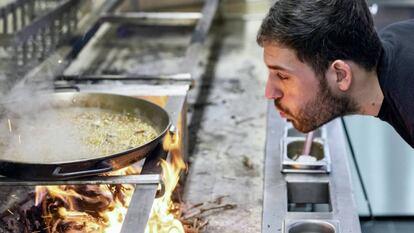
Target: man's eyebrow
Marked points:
277	67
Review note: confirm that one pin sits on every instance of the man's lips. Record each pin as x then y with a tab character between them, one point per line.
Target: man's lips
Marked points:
283	114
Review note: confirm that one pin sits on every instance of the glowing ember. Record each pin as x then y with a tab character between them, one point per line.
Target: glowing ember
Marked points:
102	208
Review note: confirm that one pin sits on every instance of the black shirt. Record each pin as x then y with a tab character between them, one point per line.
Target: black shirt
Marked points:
396	78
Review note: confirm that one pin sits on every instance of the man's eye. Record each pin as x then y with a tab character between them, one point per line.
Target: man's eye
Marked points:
281	76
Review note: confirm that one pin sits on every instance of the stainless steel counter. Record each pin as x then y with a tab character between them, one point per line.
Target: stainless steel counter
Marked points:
332	189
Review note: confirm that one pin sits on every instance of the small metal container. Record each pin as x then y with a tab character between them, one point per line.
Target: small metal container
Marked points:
311	226
290	131
318	160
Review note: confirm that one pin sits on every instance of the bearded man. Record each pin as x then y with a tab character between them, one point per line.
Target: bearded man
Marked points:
325	60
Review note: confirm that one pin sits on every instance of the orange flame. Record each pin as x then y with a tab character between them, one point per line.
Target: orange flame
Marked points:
103	211
162	220
92	208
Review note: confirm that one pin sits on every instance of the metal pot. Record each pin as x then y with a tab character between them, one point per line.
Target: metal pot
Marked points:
41	170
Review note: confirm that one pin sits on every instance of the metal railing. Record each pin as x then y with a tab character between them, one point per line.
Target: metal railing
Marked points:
31	29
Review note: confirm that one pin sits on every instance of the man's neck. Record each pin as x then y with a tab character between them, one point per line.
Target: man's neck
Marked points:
367	92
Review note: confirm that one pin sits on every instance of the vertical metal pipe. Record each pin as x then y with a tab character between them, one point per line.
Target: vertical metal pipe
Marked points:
23	15
69	21
5	21
61	25
52	34
69	29
15	55
75	16
2	21
58	30
32	8
34	48
24	53
43	35
14	17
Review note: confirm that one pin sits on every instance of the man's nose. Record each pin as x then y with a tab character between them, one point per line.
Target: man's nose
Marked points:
272	92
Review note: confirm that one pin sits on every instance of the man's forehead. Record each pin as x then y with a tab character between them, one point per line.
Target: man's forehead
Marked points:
279	57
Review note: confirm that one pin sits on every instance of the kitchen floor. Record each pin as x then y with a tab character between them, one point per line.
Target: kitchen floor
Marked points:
227	129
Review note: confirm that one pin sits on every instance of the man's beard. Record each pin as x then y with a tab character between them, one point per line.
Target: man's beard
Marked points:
320	110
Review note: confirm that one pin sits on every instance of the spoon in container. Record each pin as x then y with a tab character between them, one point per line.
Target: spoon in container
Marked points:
308	144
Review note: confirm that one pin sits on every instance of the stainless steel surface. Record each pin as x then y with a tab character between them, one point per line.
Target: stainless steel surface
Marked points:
308	193
173	77
275	212
182	71
290	131
125	179
145	53
311	226
135	89
153	18
293	161
139	209
199	34
296	149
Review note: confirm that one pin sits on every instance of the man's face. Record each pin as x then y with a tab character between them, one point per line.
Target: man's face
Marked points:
299	95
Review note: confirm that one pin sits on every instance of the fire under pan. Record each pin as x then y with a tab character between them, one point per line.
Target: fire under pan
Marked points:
148	183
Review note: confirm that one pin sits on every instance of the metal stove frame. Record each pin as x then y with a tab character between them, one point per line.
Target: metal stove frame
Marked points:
175	86
148	184
200	20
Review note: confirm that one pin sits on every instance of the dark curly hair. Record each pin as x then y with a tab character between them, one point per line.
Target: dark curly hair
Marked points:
321	31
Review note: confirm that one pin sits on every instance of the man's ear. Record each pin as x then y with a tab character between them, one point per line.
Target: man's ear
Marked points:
341	74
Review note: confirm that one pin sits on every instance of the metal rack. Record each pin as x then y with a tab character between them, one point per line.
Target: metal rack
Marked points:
200	20
32	29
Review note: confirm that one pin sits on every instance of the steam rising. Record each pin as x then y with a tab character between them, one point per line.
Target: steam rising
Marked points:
45	137
57	134
21	89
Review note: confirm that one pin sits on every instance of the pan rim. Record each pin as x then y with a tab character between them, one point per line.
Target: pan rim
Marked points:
104	157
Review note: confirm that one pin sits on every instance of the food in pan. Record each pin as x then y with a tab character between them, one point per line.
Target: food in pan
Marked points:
72	134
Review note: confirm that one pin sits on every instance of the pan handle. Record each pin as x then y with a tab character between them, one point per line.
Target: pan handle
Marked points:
66	88
103	167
